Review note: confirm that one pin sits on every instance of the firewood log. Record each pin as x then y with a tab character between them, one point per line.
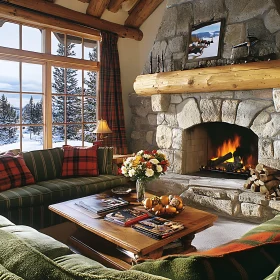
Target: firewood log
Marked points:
272	184
271	171
254	177
219	160
255	188
247	184
261	183
264	190
259	167
265	178
252	171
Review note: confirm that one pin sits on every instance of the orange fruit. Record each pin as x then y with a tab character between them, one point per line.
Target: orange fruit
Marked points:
164	199
170	209
148	203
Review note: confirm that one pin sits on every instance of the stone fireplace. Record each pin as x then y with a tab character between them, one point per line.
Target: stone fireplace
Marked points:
179	135
178	122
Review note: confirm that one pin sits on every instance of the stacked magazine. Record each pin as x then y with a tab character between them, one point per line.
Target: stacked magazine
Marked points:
157	227
127	216
100	204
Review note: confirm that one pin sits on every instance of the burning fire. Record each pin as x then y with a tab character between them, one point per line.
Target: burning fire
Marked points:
228	146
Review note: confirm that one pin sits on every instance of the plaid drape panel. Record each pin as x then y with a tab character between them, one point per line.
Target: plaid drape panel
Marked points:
111	93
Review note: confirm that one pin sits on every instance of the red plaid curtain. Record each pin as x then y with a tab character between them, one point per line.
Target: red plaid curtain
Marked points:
111	93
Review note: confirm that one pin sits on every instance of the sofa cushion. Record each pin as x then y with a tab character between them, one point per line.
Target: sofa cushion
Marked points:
41	242
57	190
44	164
30	264
81	264
5	274
4	222
79	161
105	160
14	172
275	275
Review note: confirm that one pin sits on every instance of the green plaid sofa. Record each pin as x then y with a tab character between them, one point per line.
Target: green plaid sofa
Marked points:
28	205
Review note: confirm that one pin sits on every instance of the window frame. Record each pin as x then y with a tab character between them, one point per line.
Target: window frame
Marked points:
48	60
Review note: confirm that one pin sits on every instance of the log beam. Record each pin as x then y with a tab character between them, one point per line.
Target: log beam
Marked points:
97	7
115	5
141	11
45	21
85	20
255	75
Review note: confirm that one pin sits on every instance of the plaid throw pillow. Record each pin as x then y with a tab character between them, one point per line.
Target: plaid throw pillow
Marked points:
14	172
79	161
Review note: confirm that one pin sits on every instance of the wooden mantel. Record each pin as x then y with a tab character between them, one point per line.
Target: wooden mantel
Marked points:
254	75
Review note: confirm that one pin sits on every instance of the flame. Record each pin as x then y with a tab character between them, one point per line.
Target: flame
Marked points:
228	146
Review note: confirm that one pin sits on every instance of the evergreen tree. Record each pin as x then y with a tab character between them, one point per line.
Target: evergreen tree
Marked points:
90	103
32	114
8	115
65	81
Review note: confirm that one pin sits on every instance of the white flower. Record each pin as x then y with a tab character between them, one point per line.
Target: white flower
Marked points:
140	153
149	172
131	172
154	161
124	170
159	168
146	156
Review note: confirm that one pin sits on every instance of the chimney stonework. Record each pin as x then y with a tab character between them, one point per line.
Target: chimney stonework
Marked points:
176	114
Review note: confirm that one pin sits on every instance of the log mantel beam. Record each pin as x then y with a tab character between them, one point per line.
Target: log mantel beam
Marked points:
48	8
255	75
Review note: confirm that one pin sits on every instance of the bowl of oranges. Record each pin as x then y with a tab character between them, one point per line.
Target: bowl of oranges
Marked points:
165	205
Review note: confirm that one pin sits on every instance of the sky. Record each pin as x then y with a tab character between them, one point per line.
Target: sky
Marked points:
209	28
31	73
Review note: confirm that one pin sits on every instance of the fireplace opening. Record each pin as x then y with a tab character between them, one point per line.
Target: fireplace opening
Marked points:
221	150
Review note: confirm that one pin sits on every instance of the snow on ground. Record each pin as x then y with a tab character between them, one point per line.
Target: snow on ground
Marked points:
32	144
212	50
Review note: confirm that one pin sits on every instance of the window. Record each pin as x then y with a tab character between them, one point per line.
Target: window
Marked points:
46	100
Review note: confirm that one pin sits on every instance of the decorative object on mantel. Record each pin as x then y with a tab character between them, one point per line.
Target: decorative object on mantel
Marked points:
205	40
166	205
144	166
265	180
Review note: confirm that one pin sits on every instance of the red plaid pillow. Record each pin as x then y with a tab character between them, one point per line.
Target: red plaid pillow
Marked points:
79	161
14	172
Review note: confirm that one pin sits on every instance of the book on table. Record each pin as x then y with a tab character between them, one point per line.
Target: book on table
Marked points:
157	227
101	204
126	216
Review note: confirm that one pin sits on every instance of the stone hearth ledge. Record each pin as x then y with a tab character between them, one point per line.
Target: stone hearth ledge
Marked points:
225	196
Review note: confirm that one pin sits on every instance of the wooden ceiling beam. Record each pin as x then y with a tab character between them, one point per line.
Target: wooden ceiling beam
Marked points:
45	21
85	20
115	5
97	7
141	12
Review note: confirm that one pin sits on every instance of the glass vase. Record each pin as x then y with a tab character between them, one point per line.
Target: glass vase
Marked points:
140	189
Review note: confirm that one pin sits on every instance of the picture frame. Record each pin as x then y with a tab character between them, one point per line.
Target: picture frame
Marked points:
205	41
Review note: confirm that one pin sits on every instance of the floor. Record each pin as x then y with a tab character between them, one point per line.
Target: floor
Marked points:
223	231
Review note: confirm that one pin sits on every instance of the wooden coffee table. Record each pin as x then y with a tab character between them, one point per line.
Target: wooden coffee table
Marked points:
99	239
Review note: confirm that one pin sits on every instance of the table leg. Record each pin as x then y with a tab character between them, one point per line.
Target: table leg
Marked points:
187	243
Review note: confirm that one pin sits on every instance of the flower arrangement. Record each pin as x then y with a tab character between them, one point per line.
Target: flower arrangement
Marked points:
145	165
